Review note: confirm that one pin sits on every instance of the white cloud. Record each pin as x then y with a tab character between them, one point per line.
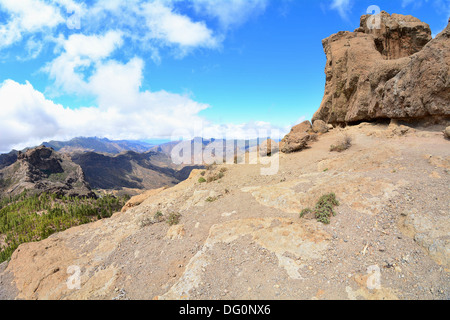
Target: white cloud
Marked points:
80	52
25	115
28	118
27	17
230	12
343	7
166	25
86	64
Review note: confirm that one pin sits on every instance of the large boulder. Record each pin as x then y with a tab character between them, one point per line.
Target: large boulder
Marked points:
394	72
319	126
305	126
297	139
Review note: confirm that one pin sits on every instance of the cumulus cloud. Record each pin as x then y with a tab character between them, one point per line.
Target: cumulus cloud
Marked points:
80	52
28	118
85	63
27	17
166	25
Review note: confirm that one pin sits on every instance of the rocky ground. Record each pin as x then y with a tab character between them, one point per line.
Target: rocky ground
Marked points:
241	237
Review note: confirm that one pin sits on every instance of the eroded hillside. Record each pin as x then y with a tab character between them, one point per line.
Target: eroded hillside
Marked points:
241	237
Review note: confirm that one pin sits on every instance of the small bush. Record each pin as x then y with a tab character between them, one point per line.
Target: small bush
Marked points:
211	199
158	216
201	180
215	177
173	219
305	212
324	208
342	145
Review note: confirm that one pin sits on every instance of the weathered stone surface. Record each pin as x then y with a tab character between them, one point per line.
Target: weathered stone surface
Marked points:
447	132
305	126
294	142
320	126
176	232
137	200
297	139
398	36
422	88
393	72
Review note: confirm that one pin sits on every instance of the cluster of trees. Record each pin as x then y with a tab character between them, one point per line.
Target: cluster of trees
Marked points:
27	218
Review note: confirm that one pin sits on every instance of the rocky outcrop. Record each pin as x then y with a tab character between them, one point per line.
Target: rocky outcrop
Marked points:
297	139
397	36
394	72
41	170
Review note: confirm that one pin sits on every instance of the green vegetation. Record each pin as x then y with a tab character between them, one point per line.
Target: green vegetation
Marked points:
173	219
215	177
201	180
26	218
4	183
211	199
324	209
158	216
58	177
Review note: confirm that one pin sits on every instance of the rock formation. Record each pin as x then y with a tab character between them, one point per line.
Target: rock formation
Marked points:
44	170
394	72
297	139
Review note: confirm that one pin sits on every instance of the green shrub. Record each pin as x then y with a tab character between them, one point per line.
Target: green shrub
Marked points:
173	219
158	216
305	212
211	199
324	208
201	180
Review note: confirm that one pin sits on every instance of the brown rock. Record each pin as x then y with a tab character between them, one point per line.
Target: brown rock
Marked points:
294	142
393	72
305	126
447	133
297	139
422	88
399	36
320	126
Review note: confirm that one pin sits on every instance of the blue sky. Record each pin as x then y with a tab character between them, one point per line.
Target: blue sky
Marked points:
153	69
